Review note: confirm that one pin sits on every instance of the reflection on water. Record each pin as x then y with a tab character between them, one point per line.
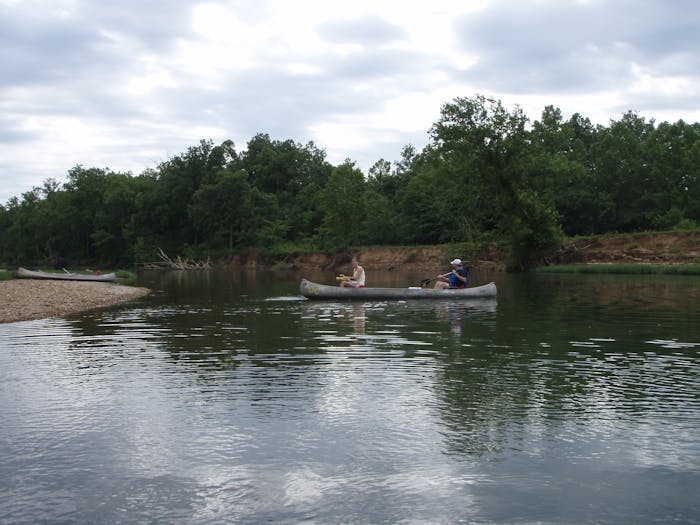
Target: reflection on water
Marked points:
232	399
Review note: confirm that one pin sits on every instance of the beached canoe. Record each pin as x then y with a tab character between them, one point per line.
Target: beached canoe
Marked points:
321	291
30	274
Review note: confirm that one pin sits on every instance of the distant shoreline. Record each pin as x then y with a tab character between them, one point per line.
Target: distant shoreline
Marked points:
654	248
28	299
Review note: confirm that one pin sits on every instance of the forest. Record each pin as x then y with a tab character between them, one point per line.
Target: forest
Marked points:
487	175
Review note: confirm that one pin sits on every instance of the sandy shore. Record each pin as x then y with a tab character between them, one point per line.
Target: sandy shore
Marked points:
25	299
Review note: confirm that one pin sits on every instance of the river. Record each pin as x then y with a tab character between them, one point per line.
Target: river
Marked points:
228	398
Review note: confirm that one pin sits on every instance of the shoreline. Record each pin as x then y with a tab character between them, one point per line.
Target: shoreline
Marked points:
27	299
30	299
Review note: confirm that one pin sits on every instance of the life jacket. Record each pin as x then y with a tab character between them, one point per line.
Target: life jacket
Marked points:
456	283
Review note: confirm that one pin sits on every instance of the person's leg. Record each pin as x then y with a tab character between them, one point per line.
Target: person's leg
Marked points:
441	285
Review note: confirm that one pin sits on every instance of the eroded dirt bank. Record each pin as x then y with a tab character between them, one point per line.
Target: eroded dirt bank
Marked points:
642	248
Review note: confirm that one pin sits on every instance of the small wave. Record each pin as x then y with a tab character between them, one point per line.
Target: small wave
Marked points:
286	298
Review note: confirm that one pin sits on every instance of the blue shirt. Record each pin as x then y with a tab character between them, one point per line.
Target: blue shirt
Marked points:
456	283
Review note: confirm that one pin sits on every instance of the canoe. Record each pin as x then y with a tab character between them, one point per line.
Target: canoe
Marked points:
321	291
23	273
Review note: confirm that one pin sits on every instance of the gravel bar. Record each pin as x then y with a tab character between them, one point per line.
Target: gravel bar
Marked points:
25	299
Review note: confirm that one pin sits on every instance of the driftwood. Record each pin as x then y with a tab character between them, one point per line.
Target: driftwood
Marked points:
567	254
166	263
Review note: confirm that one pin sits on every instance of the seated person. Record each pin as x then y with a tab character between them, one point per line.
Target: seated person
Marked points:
358	276
459	278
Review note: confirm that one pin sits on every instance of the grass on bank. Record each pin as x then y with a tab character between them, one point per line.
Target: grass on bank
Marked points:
642	269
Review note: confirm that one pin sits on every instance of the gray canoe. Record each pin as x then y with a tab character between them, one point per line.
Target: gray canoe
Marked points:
322	291
30	274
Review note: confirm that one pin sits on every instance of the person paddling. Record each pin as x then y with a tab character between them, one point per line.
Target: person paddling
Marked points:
358	276
459	278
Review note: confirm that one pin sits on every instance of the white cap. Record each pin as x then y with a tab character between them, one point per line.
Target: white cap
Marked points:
457	261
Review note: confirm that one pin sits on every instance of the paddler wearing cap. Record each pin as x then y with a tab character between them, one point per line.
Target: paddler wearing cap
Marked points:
458	278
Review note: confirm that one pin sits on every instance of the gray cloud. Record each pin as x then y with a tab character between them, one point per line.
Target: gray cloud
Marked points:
43	51
40	45
542	47
379	63
367	30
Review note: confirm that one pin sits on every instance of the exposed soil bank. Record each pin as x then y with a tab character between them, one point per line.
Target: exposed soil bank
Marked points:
392	258
642	248
639	248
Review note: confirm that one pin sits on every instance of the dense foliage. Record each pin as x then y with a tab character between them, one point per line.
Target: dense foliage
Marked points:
486	175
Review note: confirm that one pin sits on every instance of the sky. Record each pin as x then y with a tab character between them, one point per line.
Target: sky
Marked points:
128	84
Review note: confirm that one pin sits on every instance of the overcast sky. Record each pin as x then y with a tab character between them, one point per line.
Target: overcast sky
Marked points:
127	84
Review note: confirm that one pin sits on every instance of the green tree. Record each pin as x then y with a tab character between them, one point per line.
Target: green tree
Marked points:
110	232
85	188
225	209
382	225
5	225
431	204
619	166
560	148
489	147
343	206
293	175
178	180
143	230
23	233
690	172
672	172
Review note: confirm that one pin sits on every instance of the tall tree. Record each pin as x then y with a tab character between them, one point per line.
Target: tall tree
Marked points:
690	172
109	236
179	178
561	150
620	166
343	206
294	175
226	209
86	188
489	145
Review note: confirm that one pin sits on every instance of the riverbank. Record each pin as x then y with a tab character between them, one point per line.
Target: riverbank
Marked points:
26	299
655	248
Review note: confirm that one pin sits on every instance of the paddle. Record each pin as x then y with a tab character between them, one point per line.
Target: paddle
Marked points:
428	281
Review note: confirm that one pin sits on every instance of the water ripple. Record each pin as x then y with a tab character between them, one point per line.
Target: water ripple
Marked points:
250	410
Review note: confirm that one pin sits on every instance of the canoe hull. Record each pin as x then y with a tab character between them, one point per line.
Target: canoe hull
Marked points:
312	290
23	273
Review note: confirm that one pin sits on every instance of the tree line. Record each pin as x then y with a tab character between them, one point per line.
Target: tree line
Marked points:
487	175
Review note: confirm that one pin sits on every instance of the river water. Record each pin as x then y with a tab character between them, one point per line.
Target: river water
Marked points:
228	398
